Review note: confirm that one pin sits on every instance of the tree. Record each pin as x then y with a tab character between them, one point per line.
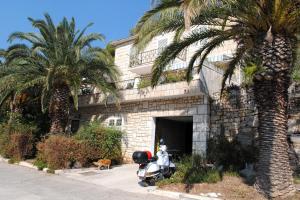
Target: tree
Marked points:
8	90
60	60
266	35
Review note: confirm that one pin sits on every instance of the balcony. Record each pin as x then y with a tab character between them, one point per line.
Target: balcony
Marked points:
129	92
142	63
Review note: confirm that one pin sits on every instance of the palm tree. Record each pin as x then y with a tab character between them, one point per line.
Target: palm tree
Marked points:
266	35
166	16
8	90
59	60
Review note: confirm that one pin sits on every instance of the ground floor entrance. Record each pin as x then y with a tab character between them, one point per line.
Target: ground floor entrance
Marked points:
182	122
177	132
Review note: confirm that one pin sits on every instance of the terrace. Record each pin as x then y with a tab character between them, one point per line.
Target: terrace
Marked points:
142	63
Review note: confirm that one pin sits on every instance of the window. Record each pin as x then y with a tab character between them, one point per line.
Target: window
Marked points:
115	121
119	122
162	44
111	122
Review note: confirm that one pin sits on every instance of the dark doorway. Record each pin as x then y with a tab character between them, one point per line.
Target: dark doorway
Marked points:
177	133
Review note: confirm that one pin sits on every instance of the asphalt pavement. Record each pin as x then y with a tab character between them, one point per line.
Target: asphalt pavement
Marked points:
21	183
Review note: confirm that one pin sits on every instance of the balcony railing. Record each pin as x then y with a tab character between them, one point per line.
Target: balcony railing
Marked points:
150	56
126	85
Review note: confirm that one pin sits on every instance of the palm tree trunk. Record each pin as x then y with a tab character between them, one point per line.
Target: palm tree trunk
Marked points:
274	174
59	109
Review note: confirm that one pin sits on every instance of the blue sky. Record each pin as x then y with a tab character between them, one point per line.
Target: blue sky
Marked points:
113	18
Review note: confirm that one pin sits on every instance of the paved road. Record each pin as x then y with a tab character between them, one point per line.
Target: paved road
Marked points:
20	183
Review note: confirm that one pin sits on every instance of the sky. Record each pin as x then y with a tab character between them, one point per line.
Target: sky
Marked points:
113	18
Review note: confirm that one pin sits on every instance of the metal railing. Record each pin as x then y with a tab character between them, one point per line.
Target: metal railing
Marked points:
150	56
126	84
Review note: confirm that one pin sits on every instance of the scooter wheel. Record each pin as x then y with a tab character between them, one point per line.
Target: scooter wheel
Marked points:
143	184
151	182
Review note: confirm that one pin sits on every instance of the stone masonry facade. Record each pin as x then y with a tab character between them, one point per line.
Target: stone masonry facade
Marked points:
235	115
139	125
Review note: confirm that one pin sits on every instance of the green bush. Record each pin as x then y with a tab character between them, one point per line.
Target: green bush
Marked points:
230	154
17	140
4	141
106	140
40	164
191	170
175	76
13	161
144	82
297	180
60	152
92	142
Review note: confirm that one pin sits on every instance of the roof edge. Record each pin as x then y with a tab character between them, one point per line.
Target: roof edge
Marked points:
123	41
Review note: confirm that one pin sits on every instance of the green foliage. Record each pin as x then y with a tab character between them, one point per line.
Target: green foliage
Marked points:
51	171
246	22
231	173
13	161
40	164
17	140
296	73
56	57
61	152
230	153
174	76
249	72
92	142
144	82
297	179
4	140
107	140
168	77
190	170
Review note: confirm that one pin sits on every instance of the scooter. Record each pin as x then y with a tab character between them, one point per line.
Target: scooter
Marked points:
152	169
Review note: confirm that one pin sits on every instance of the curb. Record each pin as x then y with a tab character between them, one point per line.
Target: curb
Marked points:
3	159
31	166
182	196
63	171
23	164
26	164
196	197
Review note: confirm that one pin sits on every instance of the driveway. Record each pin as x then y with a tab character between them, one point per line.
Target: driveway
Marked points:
119	177
20	183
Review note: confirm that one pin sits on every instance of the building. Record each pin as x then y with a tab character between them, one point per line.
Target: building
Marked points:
174	110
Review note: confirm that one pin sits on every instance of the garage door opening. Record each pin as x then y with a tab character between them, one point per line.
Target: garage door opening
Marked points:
177	133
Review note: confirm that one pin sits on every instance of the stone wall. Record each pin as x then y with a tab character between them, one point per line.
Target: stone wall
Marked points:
235	115
139	125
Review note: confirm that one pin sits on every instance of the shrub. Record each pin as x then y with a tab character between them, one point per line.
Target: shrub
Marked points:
144	82
40	164
13	161
4	140
190	170
297	179
20	146
230	154
58	151
92	142
16	140
175	76
105	140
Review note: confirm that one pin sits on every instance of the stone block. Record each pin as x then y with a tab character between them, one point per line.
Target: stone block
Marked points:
200	136
203	109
